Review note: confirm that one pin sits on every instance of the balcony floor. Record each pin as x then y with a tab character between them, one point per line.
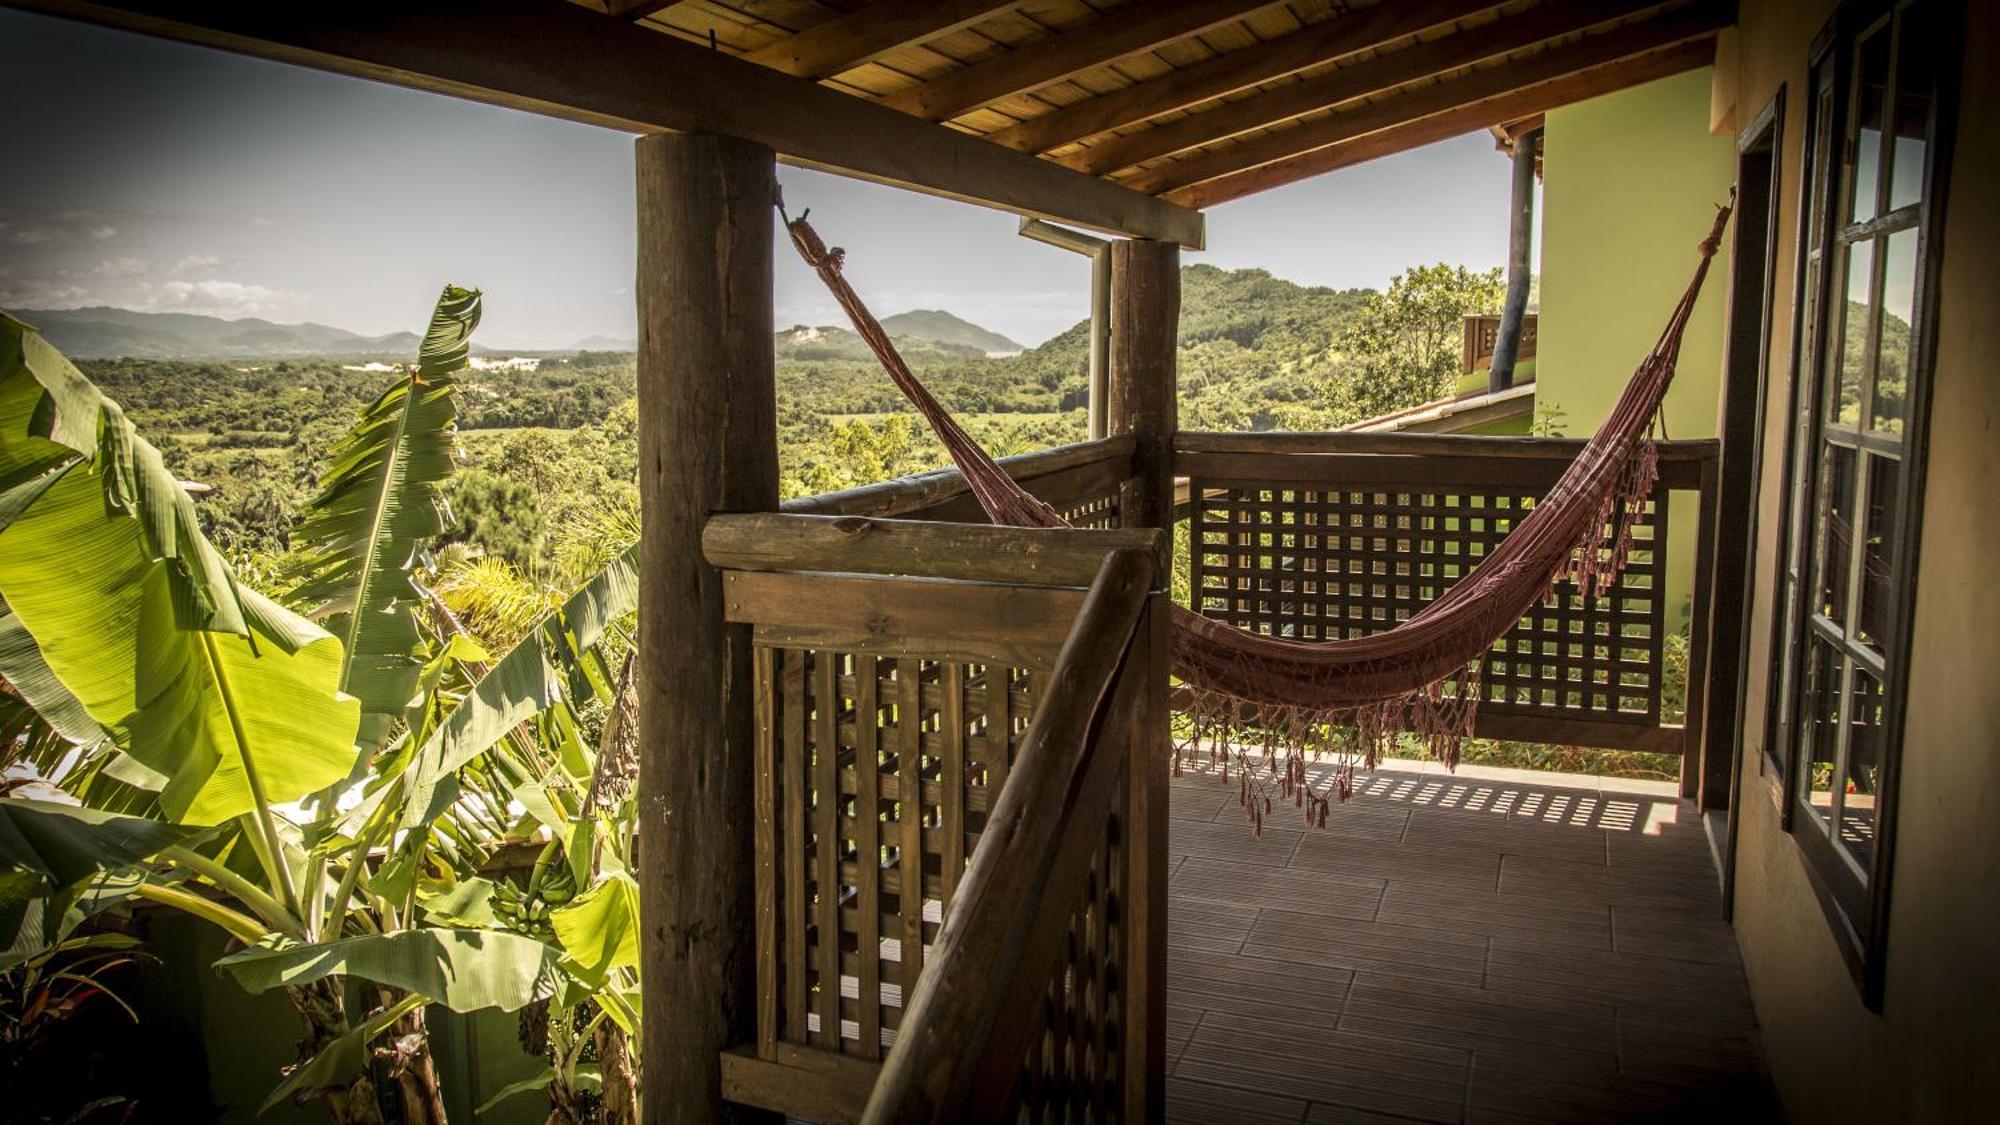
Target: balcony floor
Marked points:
1476	947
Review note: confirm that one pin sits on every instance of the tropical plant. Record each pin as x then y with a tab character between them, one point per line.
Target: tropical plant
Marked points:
323	797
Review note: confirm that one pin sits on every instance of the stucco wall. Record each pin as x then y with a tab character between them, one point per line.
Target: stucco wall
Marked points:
1930	1054
1629	184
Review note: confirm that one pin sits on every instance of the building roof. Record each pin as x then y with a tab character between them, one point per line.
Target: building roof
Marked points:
1203	101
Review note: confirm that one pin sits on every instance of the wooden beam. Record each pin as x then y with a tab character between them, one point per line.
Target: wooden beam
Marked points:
708	443
866	34
1126	31
564	60
1381	129
1018	556
1373	76
1238	70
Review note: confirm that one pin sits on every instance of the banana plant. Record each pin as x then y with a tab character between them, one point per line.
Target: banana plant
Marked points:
422	753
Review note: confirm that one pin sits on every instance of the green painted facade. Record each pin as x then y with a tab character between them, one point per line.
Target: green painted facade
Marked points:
1630	182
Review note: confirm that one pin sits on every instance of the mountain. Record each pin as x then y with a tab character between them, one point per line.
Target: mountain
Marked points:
97	333
821	343
606	344
940	327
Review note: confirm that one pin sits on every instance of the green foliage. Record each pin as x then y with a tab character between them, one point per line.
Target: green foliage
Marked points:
379	504
1406	344
227	697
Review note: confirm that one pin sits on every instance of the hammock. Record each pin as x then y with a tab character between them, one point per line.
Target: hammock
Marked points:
1286	700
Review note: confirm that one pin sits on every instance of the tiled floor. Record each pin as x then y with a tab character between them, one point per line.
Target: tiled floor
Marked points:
1454	948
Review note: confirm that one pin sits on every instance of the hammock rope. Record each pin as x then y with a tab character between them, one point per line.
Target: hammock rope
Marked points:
1266	704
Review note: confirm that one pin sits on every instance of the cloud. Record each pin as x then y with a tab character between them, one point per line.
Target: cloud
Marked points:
28	236
221	298
121	267
197	264
103	232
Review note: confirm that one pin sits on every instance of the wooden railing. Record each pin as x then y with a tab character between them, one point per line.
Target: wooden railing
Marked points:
1082	481
1481	333
1038	914
919	688
1326	535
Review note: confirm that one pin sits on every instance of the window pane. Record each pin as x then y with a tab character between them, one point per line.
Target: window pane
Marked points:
1913	108
1853	361
1872	77
1892	349
1864	767
1833	532
1878	579
1820	729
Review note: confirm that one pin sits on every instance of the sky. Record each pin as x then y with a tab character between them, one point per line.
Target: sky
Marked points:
163	177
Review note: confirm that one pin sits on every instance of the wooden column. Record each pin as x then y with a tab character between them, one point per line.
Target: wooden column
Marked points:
1145	317
1145	321
707	443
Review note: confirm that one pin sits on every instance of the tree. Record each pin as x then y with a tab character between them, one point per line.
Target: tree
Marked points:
1404	348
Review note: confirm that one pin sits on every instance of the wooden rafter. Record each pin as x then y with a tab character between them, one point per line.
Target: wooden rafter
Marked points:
1373	76
1467	93
866	34
1238	70
1124	32
1603	79
566	61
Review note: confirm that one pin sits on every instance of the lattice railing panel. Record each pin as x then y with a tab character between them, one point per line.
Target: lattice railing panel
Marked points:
882	769
1075	1069
1325	561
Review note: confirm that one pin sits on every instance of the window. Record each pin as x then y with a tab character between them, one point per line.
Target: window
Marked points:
1872	181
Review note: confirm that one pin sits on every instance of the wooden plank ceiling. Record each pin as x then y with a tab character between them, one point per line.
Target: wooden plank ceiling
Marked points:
1200	102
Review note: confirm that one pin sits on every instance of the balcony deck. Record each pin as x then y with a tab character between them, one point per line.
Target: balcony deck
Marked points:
1455	948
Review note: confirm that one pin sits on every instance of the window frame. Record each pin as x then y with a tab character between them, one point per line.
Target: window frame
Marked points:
1857	910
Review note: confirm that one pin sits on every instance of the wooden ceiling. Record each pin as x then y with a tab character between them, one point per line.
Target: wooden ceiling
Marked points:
1199	102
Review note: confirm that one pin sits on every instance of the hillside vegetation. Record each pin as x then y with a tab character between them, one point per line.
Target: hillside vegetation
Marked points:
550	444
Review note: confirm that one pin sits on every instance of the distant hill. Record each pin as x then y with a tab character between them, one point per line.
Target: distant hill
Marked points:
940	327
821	343
99	333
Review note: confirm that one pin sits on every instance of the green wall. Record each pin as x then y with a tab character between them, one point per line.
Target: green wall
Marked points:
1629	186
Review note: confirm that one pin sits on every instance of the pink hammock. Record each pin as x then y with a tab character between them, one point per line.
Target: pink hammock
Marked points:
1288	698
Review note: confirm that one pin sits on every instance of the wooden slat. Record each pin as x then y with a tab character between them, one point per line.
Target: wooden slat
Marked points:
771	541
909	761
923	491
764	794
903	616
1592	65
801	1082
952	778
563	60
1236	70
826	850
1126	31
865	34
1364	79
796	901
868	851
1257	169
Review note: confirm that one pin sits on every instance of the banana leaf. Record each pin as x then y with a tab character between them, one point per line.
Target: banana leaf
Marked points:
231	698
380	503
463	969
520	685
599	929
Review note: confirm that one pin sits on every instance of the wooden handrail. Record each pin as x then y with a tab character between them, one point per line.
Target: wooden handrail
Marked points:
772	541
966	1027
1391	444
905	495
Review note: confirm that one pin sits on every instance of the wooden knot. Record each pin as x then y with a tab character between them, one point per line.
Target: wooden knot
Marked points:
853	525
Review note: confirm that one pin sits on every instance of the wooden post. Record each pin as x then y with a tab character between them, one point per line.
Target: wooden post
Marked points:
707	443
1145	321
